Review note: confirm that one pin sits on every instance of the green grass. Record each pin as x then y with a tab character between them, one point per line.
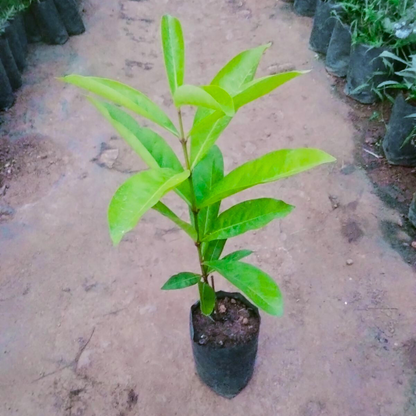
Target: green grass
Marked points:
9	8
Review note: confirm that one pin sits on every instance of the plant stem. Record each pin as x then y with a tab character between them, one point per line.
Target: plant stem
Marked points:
194	208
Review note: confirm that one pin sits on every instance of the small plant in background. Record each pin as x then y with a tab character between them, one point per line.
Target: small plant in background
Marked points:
10	8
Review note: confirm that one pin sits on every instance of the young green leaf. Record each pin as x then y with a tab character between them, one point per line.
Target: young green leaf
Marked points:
202	141
210	96
173	51
240	70
253	282
165	211
268	168
262	86
137	195
123	95
149	145
181	280
237	255
246	216
213	249
207	298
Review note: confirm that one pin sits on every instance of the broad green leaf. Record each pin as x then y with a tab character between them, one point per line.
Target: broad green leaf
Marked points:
268	168
149	145
181	280
253	282
207	298
204	120
240	70
202	141
237	255
212	251
210	96
165	211
262	86
246	216
123	95
173	51
137	195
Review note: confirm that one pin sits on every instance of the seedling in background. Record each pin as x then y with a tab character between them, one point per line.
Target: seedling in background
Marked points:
201	181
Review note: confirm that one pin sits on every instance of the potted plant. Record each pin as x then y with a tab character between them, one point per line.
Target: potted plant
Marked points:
305	7
224	326
399	142
339	50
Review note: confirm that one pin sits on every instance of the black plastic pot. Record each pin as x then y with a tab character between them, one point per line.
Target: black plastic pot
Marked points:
10	66
49	22
6	92
19	25
339	50
15	45
365	72
305	7
398	130
412	211
68	10
323	26
225	370
32	31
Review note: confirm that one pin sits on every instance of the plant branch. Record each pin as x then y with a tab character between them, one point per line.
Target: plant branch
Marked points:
194	208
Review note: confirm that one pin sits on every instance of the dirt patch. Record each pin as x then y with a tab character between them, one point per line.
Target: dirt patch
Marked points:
29	167
233	323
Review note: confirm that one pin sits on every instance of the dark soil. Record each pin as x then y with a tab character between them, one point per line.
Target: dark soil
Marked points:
232	324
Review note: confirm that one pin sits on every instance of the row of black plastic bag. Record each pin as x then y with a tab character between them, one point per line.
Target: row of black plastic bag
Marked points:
49	21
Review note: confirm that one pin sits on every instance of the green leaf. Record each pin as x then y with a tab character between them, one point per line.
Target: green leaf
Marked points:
237	255
137	195
210	96
123	95
165	211
246	216
202	141
213	249
268	168
253	282
262	86
173	51
240	70
149	145
181	280
207	298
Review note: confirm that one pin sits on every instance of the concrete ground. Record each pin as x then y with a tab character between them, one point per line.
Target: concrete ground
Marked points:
84	328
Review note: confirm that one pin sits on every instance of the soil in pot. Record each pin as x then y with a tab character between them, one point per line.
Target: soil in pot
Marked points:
399	129
323	26
412	211
15	45
305	7
68	10
32	31
225	345
366	70
12	71
6	92
339	50
49	22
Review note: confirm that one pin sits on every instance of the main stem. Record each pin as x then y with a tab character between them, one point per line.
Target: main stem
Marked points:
194	208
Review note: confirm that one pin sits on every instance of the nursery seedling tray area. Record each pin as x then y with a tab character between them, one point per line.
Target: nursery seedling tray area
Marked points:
84	328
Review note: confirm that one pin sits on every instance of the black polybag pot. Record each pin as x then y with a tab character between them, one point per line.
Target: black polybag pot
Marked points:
6	92
68	10
339	50
412	211
226	370
15	45
32	31
365	72
323	26
398	130
305	7
19	25
49	22
9	64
